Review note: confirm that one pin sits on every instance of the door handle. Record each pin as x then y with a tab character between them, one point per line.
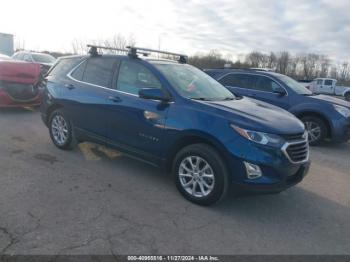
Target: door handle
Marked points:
69	86
115	99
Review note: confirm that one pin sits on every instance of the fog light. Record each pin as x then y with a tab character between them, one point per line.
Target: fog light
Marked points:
253	171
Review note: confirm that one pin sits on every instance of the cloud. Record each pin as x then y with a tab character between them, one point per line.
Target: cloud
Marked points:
190	26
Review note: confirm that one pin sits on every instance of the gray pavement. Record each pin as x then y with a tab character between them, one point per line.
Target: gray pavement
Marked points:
95	201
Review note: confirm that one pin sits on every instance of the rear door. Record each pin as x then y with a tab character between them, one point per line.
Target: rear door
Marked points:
86	95
239	84
328	87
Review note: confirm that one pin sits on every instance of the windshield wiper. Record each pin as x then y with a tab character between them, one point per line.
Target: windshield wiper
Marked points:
200	98
229	98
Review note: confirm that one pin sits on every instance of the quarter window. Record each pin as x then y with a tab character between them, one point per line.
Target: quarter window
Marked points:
99	71
79	72
134	76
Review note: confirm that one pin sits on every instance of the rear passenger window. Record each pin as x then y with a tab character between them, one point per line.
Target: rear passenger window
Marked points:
134	76
99	71
266	84
79	72
239	80
328	82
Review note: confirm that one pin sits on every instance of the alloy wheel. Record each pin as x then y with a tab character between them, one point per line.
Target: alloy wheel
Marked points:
59	129
196	176
314	131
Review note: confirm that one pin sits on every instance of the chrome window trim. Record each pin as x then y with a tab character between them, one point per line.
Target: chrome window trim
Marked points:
287	144
244	73
69	75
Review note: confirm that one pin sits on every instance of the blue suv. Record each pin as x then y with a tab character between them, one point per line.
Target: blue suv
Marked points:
325	117
174	116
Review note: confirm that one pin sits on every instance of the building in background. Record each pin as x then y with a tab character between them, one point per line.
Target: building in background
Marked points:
6	44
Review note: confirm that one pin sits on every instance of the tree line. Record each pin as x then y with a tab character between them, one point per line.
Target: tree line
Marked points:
299	66
307	66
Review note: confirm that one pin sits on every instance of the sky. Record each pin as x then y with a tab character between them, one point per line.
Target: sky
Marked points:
233	27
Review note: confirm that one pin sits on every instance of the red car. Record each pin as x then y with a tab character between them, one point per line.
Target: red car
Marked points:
19	84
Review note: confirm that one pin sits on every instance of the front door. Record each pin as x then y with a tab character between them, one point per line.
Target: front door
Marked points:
136	124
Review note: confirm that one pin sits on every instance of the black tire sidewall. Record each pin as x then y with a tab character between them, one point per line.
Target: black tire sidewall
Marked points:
69	142
322	126
219	168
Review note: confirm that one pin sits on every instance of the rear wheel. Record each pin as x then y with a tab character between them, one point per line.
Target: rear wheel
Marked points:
347	96
316	129
61	132
200	174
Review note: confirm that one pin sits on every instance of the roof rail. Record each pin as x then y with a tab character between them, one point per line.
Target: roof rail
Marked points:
133	51
93	49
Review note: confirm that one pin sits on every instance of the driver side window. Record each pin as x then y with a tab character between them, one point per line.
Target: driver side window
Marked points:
134	76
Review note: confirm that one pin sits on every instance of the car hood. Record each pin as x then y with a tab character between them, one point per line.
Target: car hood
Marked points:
331	100
256	115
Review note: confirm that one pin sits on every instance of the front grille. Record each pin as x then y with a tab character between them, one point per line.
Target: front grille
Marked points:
294	137
297	151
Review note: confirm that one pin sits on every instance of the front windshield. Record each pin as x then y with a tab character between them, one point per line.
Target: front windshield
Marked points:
294	85
192	83
43	58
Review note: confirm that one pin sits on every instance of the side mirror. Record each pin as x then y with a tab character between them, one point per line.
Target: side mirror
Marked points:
153	93
280	91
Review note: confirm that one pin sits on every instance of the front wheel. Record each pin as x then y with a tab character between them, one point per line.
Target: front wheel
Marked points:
200	174
316	129
61	132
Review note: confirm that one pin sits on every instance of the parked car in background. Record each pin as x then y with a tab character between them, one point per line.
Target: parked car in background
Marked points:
329	86
325	117
45	60
173	115
305	83
19	84
4	57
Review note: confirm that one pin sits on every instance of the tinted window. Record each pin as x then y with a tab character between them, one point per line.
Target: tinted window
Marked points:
266	84
328	82
79	72
99	71
239	80
319	82
63	67
134	76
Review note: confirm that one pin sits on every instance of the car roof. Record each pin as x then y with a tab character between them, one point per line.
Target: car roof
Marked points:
221	72
145	58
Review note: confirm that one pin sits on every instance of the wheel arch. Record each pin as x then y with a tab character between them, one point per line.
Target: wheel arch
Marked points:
49	111
302	114
191	138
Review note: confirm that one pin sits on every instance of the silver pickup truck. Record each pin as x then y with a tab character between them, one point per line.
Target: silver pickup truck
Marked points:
329	86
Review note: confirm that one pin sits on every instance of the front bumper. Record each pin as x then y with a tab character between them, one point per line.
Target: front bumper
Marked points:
278	172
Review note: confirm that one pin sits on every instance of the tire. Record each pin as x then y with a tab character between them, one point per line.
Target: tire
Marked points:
347	96
60	129
319	128
214	175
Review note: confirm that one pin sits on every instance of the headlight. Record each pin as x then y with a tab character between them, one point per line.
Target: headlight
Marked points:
259	137
345	112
